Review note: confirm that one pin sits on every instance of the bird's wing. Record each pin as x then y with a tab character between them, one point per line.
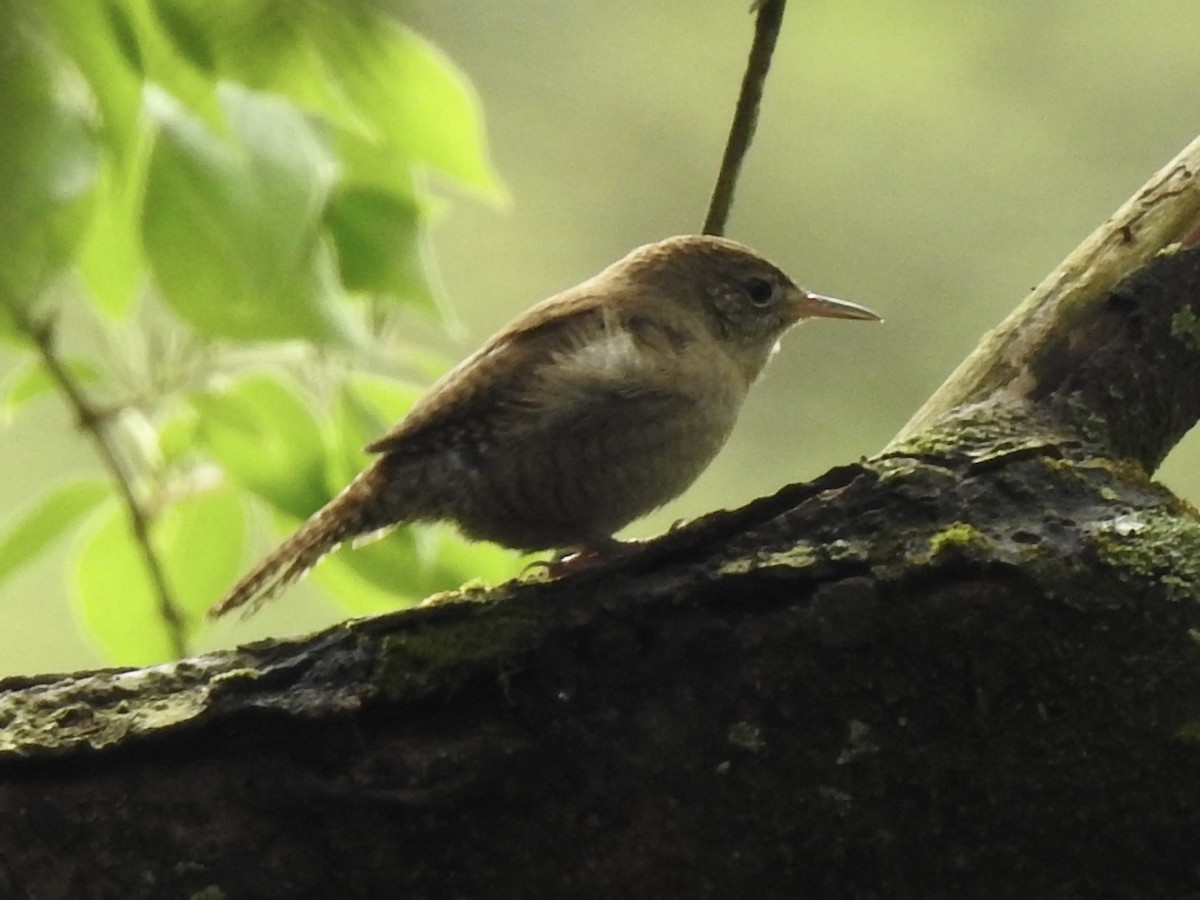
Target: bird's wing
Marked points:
543	371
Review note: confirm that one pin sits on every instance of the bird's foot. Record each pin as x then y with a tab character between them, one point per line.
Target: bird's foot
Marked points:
567	561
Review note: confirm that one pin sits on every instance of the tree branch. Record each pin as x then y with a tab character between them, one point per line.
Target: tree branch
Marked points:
93	423
1107	357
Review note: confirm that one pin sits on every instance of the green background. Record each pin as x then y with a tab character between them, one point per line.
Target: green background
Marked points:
932	160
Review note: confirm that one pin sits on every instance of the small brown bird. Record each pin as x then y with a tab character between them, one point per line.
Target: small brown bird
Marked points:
589	410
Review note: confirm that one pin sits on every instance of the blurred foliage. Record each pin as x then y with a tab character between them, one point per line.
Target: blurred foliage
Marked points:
202	187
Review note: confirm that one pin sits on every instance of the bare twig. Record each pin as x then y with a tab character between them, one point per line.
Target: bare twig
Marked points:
745	116
94	421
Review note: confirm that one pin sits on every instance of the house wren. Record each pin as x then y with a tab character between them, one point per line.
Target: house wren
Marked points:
587	411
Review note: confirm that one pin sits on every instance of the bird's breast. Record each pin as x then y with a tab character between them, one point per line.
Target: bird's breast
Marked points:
614	436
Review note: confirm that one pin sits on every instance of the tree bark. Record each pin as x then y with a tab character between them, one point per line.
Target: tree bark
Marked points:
966	667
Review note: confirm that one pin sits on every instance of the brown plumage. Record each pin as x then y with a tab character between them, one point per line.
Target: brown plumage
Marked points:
587	411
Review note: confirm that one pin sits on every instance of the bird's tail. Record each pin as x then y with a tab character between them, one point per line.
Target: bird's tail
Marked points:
349	514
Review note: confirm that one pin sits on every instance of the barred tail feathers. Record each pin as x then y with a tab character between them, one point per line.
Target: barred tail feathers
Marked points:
347	515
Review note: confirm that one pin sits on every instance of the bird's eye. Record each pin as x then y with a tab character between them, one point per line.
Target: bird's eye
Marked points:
759	290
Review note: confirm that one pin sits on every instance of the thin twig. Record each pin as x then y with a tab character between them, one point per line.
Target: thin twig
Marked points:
93	422
745	116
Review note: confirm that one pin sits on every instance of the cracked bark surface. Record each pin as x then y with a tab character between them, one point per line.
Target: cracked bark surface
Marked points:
966	667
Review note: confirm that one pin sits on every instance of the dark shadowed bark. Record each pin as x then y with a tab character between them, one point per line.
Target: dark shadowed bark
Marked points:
966	667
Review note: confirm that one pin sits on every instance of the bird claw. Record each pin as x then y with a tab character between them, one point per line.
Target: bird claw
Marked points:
568	561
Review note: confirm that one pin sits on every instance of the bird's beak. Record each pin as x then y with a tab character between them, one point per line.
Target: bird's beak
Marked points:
816	306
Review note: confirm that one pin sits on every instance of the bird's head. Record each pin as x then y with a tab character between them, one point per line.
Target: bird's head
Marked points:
747	302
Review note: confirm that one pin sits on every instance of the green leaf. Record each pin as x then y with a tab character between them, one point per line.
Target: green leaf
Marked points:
266	45
199	541
99	37
111	259
188	37
458	561
148	44
263	434
352	64
387	399
125	39
354	422
356	594
233	229
409	564
32	380
177	433
367	406
380	244
49	519
94	35
414	99
202	540
114	600
48	157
